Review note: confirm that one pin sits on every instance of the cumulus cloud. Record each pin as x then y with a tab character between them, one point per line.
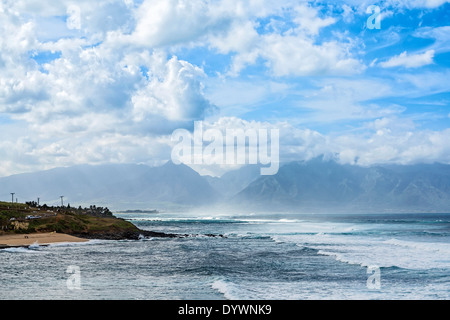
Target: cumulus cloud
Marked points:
386	140
175	93
386	147
162	22
297	56
108	81
93	102
290	51
309	21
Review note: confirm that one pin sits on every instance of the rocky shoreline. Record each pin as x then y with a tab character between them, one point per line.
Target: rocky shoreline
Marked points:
137	235
125	235
45	239
30	221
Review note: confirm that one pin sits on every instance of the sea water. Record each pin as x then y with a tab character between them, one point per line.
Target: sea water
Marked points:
252	257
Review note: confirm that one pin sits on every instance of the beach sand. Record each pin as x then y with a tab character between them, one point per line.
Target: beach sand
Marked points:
23	240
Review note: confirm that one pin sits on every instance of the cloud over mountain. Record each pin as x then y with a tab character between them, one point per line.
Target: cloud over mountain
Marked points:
318	185
109	81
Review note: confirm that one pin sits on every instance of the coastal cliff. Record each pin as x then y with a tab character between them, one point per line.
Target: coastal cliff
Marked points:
88	223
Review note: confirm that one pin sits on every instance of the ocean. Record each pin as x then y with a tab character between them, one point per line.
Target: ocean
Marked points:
252	257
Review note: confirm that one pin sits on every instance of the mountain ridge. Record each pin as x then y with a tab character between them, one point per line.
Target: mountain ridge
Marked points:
327	185
121	186
312	186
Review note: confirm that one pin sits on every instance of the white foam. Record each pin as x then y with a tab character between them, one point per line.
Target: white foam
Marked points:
308	290
76	244
225	288
337	239
366	251
443	248
34	246
20	250
214	219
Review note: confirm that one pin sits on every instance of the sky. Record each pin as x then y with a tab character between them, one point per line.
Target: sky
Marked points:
108	81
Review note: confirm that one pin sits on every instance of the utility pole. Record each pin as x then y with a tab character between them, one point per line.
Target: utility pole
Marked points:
12	197
62	203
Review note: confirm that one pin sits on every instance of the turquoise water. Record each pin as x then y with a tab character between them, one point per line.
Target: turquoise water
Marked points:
277	257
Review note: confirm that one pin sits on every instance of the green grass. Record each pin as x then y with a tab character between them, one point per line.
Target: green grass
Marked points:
69	221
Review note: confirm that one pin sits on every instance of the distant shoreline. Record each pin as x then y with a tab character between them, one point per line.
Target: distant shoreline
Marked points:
41	239
139	211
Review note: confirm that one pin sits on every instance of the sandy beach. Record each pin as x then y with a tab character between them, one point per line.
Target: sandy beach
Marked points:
21	240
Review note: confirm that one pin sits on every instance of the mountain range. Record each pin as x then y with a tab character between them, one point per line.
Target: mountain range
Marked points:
117	186
316	185
327	186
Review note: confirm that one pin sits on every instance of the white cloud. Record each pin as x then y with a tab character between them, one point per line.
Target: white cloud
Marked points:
90	17
230	28
410	61
294	143
115	89
241	37
388	140
169	22
418	3
175	93
348	13
296	51
396	4
343	99
89	104
74	17
414	85
440	35
298	56
160	23
308	20
236	97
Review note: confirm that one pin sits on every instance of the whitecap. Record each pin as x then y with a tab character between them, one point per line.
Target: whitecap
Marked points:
19	250
227	289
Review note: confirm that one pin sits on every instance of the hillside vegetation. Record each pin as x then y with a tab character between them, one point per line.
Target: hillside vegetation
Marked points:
93	222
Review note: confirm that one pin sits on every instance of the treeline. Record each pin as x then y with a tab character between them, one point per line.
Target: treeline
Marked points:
92	210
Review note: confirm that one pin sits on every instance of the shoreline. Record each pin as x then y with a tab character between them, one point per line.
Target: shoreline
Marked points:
41	239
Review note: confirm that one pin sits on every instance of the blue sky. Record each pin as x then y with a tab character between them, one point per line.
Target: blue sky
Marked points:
109	81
